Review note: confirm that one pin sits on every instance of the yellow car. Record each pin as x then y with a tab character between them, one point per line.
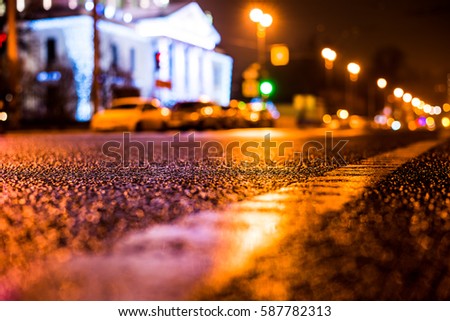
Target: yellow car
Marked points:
132	114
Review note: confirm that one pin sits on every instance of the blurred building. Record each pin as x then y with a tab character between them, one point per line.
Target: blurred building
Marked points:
165	50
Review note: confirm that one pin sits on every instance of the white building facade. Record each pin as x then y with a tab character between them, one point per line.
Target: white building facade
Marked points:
168	51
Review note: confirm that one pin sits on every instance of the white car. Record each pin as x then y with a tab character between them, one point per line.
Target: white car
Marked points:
132	114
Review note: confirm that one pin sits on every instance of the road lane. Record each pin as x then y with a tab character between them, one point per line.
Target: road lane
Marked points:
200	254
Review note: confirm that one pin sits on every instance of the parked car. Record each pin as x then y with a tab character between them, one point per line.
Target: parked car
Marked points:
132	114
196	115
261	114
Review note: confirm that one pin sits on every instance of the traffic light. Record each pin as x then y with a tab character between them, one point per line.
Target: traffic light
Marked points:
266	88
3	38
279	55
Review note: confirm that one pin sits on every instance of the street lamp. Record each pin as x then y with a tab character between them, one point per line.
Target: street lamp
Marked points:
353	70
263	21
398	92
329	57
381	83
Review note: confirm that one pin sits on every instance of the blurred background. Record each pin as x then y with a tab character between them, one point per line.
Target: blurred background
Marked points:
315	58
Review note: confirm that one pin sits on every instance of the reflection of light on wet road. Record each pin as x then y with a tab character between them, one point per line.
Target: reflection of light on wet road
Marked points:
166	262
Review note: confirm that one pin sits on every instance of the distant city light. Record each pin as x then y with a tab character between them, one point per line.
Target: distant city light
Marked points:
380	119
89	5
127	17
396	125
407	98
266	20
256	15
342	113
446	107
326	118
2	9
412	125
387	111
20	5
445	122
3	116
165	111
44	76
381	83
398	92
353	68
110	11
73	4
161	3
329	54
415	102
144	4
427	108
430	122
47	4
422	121
437	110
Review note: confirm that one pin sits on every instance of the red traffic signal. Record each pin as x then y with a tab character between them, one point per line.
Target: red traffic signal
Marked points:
3	38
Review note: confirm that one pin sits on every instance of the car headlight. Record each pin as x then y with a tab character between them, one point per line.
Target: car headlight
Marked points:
165	111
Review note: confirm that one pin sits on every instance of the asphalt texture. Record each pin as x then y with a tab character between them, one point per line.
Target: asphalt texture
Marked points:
59	198
392	243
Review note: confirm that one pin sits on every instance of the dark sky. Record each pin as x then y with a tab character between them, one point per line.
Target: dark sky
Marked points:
356	29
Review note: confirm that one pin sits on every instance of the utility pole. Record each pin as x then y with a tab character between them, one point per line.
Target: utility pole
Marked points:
96	72
12	55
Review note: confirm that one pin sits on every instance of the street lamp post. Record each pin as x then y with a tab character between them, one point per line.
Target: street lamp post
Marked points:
353	70
329	57
263	21
381	85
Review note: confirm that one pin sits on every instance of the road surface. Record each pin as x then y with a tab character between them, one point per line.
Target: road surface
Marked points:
260	214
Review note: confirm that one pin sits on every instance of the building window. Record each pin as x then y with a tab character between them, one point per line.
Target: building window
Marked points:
115	56
51	51
132	59
217	72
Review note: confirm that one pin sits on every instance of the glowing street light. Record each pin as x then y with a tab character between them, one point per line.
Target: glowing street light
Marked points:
329	55
381	83
398	92
415	102
256	15
266	20
407	97
263	21
353	69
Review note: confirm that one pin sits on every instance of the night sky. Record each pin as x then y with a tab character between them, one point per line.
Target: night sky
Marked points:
357	30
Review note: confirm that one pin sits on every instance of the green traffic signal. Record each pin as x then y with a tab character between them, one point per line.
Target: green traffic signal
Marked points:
266	88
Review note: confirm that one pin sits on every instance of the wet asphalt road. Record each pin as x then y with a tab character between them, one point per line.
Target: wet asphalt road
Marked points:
61	196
